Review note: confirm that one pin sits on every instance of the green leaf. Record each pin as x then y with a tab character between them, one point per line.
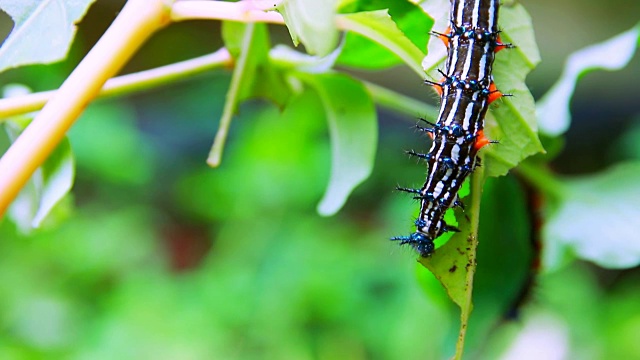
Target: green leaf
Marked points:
43	30
553	109
286	57
408	16
450	265
597	220
501	263
454	264
505	256
354	135
512	120
311	22
105	137
380	28
361	52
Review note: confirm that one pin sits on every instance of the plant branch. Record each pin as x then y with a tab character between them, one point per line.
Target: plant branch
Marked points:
125	84
243	11
233	94
477	182
137	21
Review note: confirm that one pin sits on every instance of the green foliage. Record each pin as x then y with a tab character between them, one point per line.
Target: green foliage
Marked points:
119	276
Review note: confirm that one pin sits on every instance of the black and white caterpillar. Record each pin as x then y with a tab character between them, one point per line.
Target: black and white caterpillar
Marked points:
466	91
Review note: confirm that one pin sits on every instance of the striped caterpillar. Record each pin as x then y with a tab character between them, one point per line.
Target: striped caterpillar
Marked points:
466	91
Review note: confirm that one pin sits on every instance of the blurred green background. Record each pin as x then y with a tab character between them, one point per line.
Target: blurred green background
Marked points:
155	255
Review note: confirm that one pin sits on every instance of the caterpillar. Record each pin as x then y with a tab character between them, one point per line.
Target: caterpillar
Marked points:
466	90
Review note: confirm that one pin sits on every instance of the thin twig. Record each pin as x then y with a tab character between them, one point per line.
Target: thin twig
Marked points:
125	84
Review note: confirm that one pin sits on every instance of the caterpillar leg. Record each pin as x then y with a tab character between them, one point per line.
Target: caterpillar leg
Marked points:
499	45
418	155
420	242
495	94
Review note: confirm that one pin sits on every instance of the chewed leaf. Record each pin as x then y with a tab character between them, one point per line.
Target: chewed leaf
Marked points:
380	28
450	265
312	23
597	220
354	135
33	18
553	109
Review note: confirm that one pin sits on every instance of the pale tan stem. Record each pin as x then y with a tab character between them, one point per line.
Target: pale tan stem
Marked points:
243	11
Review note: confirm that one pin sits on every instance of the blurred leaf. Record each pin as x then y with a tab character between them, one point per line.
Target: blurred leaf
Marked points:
286	154
354	135
628	147
553	109
380	28
49	183
597	220
232	34
57	174
311	22
511	120
108	145
33	18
